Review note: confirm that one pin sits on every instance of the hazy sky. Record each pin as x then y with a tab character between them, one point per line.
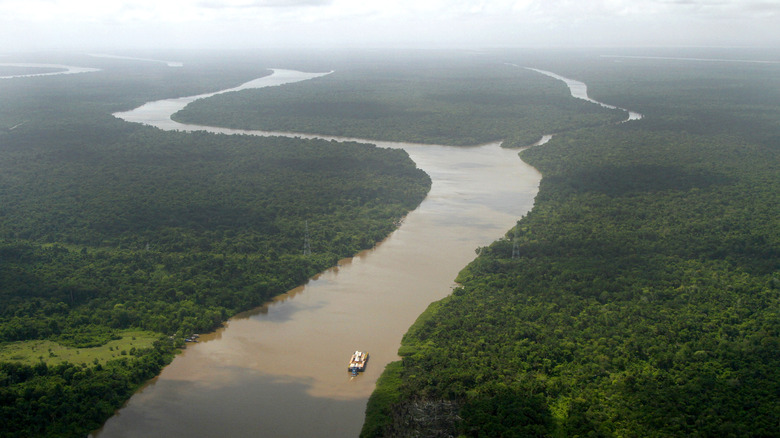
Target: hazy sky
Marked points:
123	24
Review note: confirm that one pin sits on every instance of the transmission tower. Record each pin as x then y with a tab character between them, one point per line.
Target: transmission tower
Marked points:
306	242
515	248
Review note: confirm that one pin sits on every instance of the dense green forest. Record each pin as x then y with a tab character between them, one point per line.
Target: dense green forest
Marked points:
640	296
440	101
107	226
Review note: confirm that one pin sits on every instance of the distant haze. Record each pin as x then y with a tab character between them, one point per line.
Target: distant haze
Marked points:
143	24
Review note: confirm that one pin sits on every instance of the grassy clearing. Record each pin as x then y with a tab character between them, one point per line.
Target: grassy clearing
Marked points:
52	353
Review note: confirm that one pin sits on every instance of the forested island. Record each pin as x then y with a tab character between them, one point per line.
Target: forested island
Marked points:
638	298
462	101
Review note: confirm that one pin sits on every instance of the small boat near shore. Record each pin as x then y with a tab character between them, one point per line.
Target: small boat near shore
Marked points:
357	363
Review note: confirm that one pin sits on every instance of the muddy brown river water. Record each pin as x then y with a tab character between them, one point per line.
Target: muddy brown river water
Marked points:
281	370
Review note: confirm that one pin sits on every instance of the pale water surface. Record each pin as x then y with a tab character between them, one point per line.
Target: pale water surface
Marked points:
580	91
280	371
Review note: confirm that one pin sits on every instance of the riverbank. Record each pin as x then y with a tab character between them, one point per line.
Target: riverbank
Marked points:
368	302
469	189
167	231
604	310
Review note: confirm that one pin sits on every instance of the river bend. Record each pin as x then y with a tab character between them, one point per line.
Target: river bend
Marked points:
580	91
280	370
60	69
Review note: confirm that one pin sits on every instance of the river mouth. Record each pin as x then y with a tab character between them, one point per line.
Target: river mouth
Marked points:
281	370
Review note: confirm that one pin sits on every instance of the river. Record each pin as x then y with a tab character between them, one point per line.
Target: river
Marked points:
60	69
280	370
580	91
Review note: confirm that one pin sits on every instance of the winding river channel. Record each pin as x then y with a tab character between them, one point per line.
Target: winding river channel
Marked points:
280	370
58	69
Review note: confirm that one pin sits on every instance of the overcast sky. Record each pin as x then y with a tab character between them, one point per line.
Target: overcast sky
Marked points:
128	24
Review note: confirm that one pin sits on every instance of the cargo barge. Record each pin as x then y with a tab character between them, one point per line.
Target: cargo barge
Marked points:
357	363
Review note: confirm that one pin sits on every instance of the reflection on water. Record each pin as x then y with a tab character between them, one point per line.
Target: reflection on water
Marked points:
281	370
